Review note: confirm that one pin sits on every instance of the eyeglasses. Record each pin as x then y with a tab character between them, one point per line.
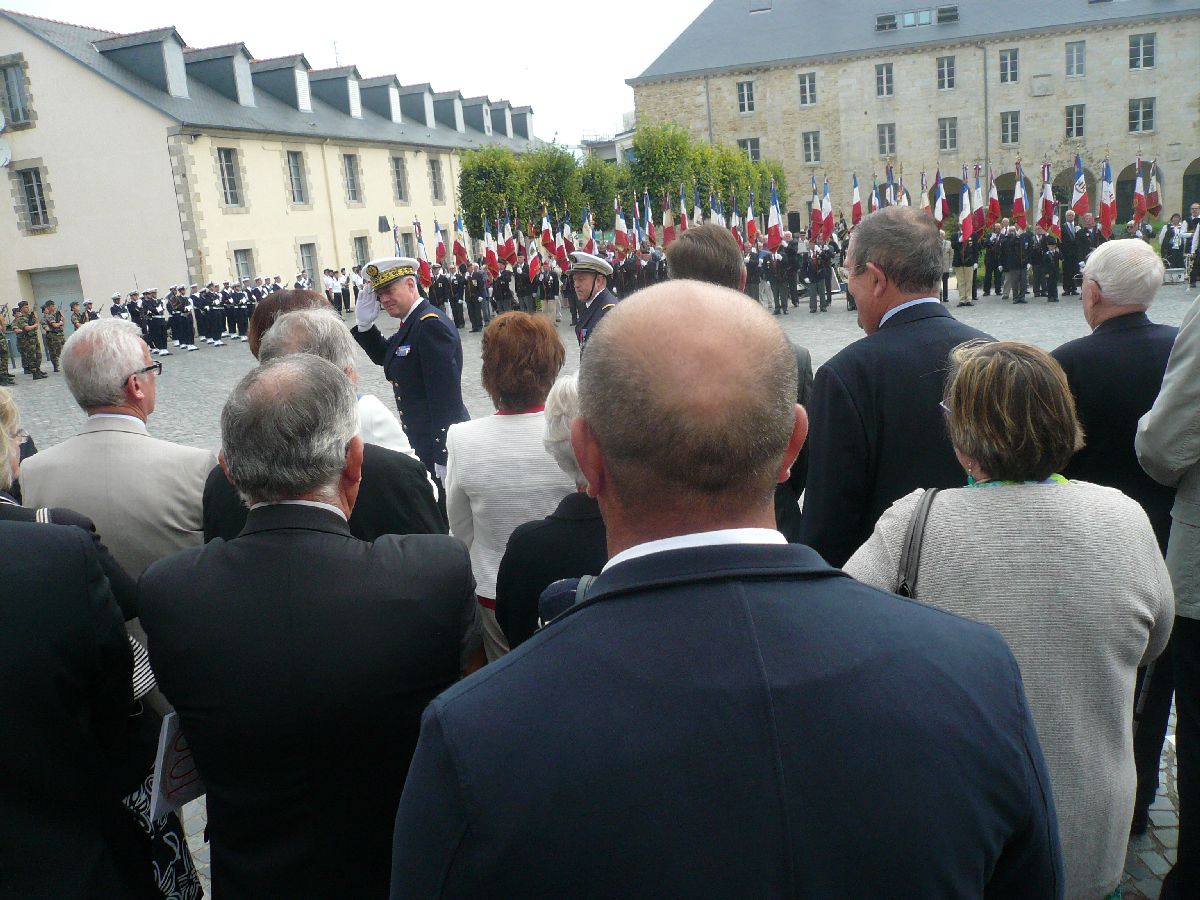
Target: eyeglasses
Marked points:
156	368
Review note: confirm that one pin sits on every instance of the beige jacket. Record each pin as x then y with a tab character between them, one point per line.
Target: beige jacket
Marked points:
1168	447
145	495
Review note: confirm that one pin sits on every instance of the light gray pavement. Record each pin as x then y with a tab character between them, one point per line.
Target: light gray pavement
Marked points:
194	386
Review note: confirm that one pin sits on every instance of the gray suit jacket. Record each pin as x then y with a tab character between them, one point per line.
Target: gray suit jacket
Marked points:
145	495
1168	447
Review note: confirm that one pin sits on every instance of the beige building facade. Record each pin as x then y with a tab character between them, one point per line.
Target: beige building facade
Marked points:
977	82
136	162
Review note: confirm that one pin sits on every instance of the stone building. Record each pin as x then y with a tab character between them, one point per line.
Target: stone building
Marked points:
844	88
134	160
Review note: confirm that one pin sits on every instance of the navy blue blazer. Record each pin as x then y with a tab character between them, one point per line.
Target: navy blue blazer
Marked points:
423	360
876	431
1115	374
590	315
734	721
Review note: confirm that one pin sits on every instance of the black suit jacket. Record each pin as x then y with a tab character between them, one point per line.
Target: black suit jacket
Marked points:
1115	374
876	428
787	493
568	543
65	668
591	314
395	497
299	660
733	721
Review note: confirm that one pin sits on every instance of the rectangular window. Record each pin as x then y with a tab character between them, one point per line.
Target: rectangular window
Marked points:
243	260
1010	127
308	260
1075	115
945	73
1076	59
408	245
948	134
745	91
362	251
436	189
230	187
887	139
947	15
400	179
884	86
886	22
35	198
350	168
15	99
808	89
749	146
295	162
1141	114
812	146
1010	66
1141	51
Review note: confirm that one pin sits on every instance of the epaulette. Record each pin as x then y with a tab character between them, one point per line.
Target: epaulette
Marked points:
609	306
429	315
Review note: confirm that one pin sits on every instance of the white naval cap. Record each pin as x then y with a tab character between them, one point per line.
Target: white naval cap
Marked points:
384	271
587	262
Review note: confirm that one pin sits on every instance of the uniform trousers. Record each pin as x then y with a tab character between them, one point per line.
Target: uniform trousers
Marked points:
991	278
1183	881
965	277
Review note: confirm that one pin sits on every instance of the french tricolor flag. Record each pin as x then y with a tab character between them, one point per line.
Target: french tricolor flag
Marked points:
683	216
439	243
735	225
620	228
1108	201
460	241
547	231
966	221
423	269
874	201
697	210
490	256
774	222
668	221
856	209
1079	194
751	222
993	206
587	233
815	209
826	213
1019	202
977	212
941	206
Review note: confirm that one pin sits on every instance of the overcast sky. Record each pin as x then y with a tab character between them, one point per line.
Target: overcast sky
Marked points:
568	61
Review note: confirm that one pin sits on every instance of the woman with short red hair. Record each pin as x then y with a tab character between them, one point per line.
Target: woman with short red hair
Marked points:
498	472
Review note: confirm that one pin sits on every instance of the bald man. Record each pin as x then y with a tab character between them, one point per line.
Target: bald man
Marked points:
723	715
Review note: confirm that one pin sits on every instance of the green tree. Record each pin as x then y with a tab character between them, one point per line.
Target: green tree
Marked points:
768	169
489	179
661	154
549	175
598	186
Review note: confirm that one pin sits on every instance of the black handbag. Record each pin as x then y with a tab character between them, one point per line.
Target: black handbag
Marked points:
910	553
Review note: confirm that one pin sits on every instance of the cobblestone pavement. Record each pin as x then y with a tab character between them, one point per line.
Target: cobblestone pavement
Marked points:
194	386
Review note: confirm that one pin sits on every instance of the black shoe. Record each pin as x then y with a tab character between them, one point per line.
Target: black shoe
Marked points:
39	374
965	303
56	367
1020	301
778	313
1052	300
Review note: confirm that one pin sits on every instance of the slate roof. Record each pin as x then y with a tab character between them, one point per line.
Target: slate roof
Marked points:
727	36
206	108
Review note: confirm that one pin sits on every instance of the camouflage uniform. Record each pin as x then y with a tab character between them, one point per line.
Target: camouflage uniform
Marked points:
53	324
77	318
5	375
27	341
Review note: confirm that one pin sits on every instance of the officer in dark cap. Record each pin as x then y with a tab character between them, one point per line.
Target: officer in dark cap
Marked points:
90	313
423	360
590	275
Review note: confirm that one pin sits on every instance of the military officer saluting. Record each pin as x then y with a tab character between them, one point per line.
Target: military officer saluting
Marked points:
590	275
423	360
25	327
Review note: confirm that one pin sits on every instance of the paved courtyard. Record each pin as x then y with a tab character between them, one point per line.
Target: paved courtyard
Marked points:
194	386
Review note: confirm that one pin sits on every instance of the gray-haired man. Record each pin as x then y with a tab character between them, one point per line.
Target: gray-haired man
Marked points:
298	657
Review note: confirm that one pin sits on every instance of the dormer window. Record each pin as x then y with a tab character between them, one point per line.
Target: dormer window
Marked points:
303	96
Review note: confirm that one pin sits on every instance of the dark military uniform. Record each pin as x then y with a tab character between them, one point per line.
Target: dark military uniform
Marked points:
423	360
25	326
91	314
53	325
502	292
477	298
458	296
590	315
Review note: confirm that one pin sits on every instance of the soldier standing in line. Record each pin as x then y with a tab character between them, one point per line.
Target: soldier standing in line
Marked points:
439	288
25	327
277	284
5	375
88	312
458	294
78	317
992	275
53	325
477	298
241	305
134	307
154	314
590	274
118	310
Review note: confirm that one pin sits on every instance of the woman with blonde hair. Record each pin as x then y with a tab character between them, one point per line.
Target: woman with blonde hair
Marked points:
1069	572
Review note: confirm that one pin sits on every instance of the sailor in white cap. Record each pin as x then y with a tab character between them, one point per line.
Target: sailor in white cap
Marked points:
118	310
590	276
423	360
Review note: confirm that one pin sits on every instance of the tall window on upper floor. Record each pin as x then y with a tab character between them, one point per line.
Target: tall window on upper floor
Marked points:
399	179
350	170
16	100
884	86
1141	51
37	214
1141	115
745	92
362	250
808	89
1075	121
308	260
885	22
886	135
812	146
945	73
437	190
948	134
1010	66
1076	59
1010	127
231	187
243	261
295	164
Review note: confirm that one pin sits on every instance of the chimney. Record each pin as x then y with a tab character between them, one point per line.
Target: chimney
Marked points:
155	56
225	69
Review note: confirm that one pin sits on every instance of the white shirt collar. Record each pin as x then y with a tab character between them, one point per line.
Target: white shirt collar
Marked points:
134	419
895	309
699	539
314	503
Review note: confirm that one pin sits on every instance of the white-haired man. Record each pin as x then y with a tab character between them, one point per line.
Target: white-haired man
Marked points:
144	494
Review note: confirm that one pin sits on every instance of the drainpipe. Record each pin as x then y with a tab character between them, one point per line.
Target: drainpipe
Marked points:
708	109
329	200
987	114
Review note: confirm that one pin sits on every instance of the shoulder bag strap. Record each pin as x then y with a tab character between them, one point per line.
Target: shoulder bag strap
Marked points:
910	553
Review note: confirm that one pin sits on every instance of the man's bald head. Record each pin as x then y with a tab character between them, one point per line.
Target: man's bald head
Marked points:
689	390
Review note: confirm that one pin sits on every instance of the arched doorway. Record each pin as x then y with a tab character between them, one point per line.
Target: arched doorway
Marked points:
1191	187
1125	184
1064	187
1006	185
953	193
